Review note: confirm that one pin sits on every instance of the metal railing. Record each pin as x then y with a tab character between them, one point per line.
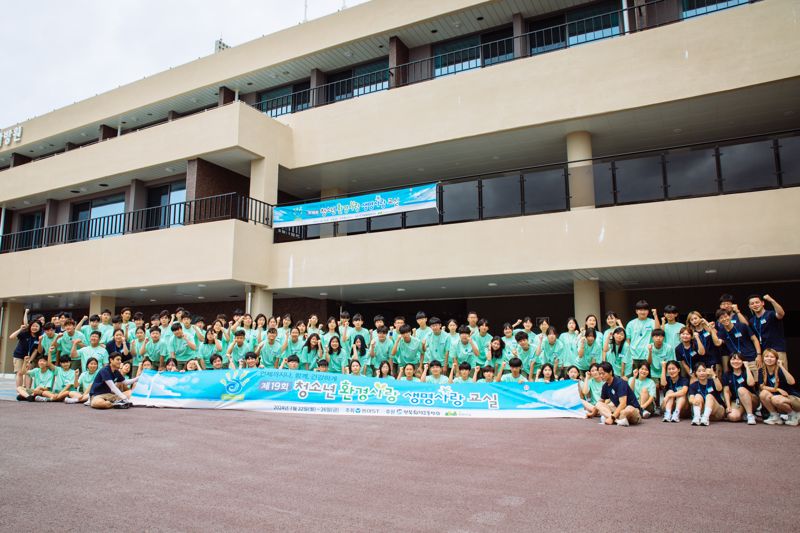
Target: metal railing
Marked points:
724	166
615	23
209	209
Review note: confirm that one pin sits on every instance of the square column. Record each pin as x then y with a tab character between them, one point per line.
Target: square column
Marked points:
260	301
586	295
98	302
13	314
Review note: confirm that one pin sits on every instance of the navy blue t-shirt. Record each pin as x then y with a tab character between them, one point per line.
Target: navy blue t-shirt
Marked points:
689	355
771	382
705	390
769	331
712	352
99	386
674	386
618	388
734	382
112	347
737	340
26	344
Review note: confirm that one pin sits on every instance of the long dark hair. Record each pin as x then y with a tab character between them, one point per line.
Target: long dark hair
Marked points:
362	351
497	354
307	345
617	348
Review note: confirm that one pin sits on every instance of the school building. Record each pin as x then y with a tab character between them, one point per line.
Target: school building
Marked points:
586	154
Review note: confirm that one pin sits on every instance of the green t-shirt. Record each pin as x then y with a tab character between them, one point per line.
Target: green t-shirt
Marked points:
639	333
527	356
63	379
86	379
423	334
205	351
638	384
108	332
336	361
459	379
509	345
408	352
441	380
672	333
294	347
436	346
462	353
665	353
383	351
41	379
483	342
347	343
157	350
595	390
64	344
551	352
307	357
136	347
238	352
45	343
271	353
509	378
591	352
326	339
616	359
87	331
570	343
181	349
99	352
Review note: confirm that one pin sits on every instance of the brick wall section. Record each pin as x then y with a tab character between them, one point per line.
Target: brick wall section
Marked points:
205	179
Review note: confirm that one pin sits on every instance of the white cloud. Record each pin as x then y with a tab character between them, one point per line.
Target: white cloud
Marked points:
56	53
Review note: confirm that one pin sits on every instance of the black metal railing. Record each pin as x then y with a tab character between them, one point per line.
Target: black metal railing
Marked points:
210	209
724	166
557	37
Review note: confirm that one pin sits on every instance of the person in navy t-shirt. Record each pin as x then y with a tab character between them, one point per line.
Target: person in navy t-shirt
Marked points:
778	391
768	325
739	338
740	391
616	391
675	389
706	396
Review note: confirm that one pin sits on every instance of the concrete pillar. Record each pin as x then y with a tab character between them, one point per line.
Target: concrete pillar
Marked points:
586	294
138	195
264	180
226	96
69	146
106	132
581	173
51	212
521	46
616	301
398	55
98	302
261	301
317	92
13	313
327	230
172	115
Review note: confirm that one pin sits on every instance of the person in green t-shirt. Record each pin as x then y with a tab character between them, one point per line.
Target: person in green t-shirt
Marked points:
66	379
659	350
335	355
432	373
550	350
644	388
359	351
310	354
183	347
41	381
47	342
670	324
408	371
463	373
67	339
380	349
94	325
211	345
591	390
85	380
270	349
95	349
463	350
407	349
617	352
482	340
157	349
515	375
590	350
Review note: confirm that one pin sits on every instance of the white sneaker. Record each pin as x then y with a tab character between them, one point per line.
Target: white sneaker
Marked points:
646	414
704	421
751	420
70	400
667	417
695	421
88	402
774	420
792	419
41	399
623	422
676	417
602	419
784	417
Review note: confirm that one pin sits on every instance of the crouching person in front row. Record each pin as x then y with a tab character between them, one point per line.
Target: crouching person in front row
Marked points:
104	393
616	393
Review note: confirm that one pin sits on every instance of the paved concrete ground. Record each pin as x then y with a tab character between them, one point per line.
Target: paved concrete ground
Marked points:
69	467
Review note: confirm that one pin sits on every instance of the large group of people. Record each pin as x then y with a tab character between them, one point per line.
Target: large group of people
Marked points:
732	367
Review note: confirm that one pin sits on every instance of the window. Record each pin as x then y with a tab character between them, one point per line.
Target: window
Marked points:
166	205
749	166
456	56
501	196
498	46
639	180
31	227
692	8
545	191
460	201
597	21
283	100
101	217
371	77
691	172
790	160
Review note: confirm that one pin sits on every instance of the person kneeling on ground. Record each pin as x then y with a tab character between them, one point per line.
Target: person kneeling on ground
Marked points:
104	393
620	395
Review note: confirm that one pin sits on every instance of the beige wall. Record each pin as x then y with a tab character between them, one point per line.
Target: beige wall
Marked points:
235	125
728	50
372	18
583	239
110	264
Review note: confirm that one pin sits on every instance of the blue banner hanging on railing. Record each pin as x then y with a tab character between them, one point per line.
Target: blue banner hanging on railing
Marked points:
300	391
353	207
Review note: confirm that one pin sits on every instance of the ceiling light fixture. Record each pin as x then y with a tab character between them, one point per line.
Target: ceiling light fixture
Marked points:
323	294
153	300
434	30
492	284
711	271
399	289
201	297
201	284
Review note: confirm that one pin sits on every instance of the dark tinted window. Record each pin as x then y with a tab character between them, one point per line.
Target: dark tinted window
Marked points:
603	184
790	160
545	190
460	201
501	196
748	166
639	180
691	172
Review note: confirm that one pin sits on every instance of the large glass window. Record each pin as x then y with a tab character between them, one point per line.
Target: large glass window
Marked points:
339	86
501	196
545	191
692	8
748	166
639	180
457	55
96	218
283	100
166	205
460	201
31	228
790	160
371	77
498	46
547	34
691	172
590	23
